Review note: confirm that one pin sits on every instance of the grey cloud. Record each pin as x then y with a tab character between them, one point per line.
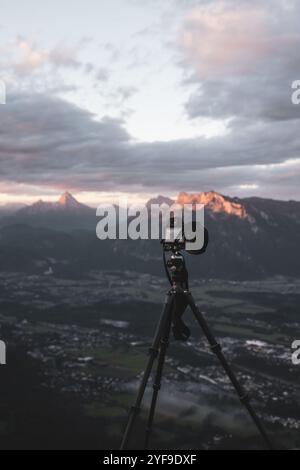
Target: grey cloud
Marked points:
62	57
126	92
251	99
264	124
262	90
46	141
102	74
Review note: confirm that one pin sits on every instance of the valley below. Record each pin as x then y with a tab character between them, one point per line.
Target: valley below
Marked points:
76	350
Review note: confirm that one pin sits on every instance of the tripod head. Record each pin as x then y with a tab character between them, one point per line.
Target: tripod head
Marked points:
176	237
177	270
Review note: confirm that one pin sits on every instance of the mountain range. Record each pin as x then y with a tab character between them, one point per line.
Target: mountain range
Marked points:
250	238
65	214
65	204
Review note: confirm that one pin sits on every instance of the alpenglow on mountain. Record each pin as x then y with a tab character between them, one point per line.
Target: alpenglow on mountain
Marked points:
65	214
66	203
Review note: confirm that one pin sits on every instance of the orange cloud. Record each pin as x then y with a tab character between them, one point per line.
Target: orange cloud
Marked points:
223	40
31	58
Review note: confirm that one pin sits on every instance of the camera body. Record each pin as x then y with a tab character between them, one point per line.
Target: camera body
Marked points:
175	239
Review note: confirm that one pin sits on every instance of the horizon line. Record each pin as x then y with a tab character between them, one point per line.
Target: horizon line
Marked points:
135	198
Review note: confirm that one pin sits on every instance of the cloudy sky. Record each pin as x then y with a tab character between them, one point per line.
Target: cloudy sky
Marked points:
141	97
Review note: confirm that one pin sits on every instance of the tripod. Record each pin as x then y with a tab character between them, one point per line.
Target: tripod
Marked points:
177	299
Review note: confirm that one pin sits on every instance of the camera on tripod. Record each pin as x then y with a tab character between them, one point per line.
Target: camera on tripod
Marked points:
176	238
190	235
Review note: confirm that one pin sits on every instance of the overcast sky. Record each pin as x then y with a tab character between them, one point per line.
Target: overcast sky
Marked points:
141	97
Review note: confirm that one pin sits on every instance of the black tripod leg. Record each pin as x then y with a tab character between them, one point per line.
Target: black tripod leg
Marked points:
164	343
153	351
216	348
